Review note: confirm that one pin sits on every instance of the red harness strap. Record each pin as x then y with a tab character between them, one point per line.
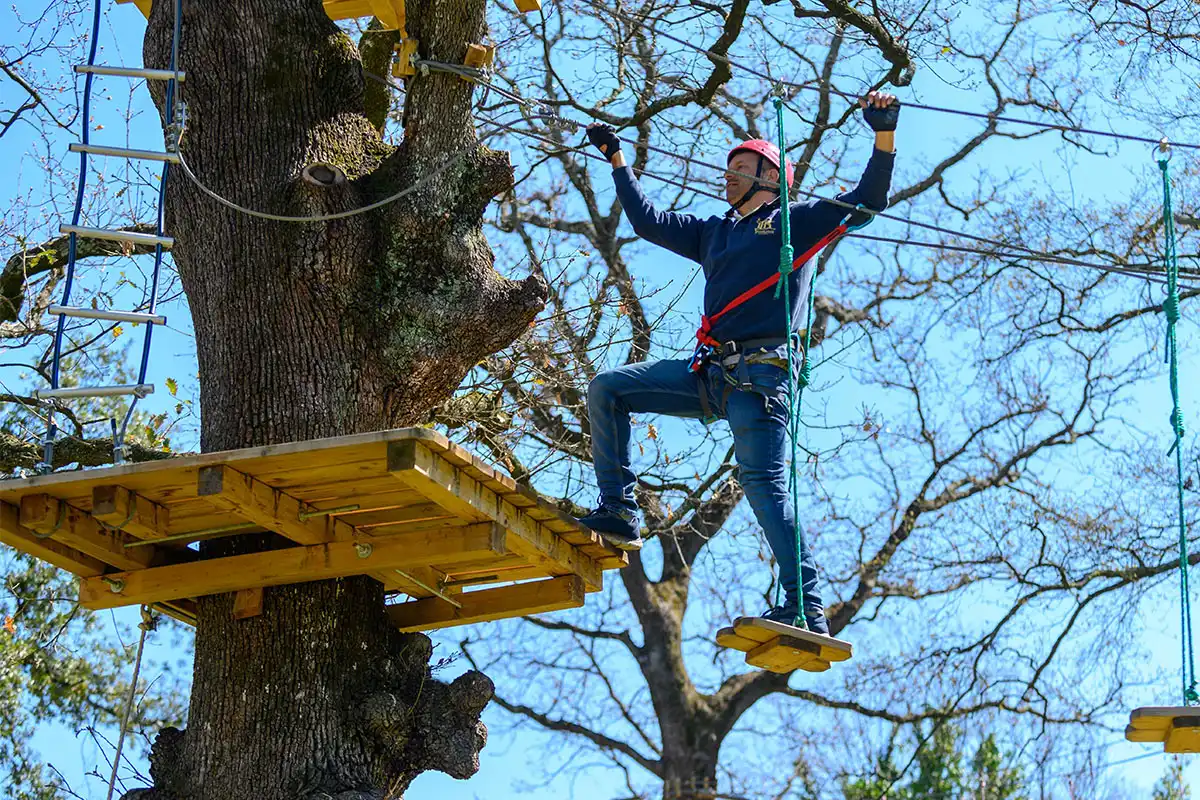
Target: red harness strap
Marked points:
704	335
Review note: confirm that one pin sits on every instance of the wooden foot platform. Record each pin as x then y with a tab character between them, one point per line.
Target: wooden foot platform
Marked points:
407	507
776	647
1176	727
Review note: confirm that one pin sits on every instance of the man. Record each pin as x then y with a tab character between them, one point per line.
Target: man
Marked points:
742	378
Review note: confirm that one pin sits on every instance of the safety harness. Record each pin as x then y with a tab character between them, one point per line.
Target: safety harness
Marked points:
731	355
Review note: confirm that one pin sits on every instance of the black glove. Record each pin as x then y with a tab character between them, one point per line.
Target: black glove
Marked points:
604	137
882	119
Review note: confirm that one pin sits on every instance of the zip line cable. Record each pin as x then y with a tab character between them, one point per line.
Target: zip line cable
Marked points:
544	110
923	107
1138	270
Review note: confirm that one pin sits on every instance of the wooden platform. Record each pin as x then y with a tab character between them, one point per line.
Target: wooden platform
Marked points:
389	12
408	507
776	647
1176	727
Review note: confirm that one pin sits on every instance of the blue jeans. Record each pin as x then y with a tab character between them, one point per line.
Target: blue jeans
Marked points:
758	419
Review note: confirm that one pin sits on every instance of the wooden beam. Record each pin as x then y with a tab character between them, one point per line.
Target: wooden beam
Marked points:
182	610
120	508
485	605
143	5
526	6
248	603
264	505
786	654
291	565
339	9
14	534
77	529
466	497
390	13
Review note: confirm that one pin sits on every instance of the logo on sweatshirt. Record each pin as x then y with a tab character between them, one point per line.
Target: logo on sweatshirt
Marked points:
765	227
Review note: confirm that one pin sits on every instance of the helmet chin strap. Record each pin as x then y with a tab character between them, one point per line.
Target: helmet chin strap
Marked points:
755	186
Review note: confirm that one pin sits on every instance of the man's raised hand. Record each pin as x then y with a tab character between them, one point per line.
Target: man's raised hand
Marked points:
880	110
604	137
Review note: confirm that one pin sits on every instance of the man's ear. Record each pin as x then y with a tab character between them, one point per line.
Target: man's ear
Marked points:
770	176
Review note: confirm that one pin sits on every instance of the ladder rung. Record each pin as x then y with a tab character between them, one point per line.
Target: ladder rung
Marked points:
131	72
139	389
122	152
148	239
114	316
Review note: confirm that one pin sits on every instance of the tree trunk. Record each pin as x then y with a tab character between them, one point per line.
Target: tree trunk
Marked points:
323	329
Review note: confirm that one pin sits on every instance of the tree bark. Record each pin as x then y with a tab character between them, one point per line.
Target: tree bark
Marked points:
323	329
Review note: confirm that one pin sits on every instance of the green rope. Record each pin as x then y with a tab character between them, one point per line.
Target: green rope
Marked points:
795	398
1170	307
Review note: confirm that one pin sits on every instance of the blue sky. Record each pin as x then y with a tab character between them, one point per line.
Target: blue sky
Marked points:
510	761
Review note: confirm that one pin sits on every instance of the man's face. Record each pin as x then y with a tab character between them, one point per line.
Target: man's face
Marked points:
745	163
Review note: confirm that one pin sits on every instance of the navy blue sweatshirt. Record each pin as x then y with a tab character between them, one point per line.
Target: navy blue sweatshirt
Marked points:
737	253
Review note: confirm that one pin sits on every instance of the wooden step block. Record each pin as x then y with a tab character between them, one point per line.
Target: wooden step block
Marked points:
1177	727
787	654
526	6
782	648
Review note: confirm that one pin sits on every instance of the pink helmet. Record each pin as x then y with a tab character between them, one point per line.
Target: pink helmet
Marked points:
765	149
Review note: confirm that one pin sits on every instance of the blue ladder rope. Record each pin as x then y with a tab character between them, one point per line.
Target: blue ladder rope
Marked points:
169	114
76	213
46	465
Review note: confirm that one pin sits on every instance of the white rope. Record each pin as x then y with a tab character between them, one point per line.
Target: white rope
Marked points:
424	179
147	624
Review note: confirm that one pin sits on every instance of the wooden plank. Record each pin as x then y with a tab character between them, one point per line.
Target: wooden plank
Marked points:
527	6
290	565
182	610
485	605
347	9
77	529
1184	734
1144	735
465	497
392	515
120	508
431	577
175	478
727	637
390	13
267	506
786	654
1158	718
16	535
248	603
499	575
763	630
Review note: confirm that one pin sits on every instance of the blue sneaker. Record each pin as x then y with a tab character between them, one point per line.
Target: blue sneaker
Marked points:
617	525
786	614
789	614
